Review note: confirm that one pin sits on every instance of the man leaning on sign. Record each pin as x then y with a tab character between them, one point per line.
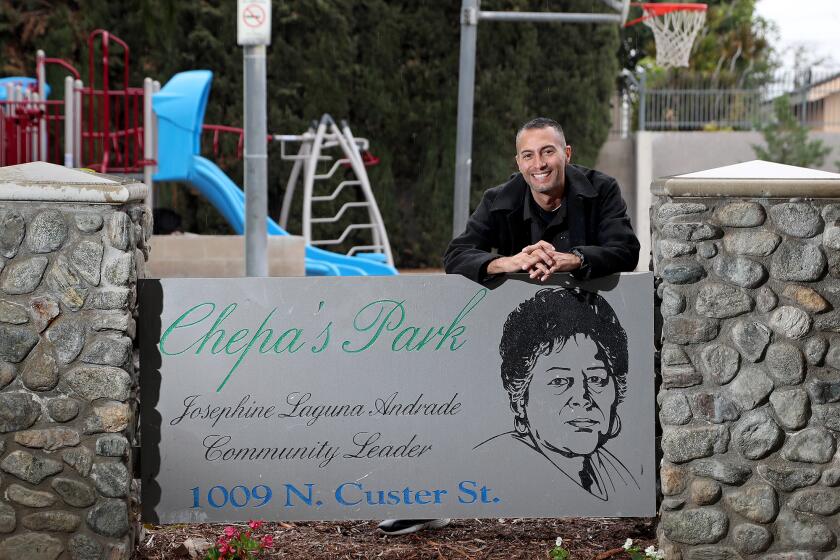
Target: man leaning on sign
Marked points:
550	217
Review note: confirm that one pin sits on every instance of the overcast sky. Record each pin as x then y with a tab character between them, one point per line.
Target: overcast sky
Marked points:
812	23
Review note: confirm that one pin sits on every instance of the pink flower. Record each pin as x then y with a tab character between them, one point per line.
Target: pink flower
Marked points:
255	524
224	549
229	531
221	540
267	541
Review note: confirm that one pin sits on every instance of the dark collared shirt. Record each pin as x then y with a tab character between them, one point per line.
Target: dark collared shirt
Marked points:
547	225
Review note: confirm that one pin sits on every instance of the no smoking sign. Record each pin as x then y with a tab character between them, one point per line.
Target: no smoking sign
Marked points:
253	22
253	15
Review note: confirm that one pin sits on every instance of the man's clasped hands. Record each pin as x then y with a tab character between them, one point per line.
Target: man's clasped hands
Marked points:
539	260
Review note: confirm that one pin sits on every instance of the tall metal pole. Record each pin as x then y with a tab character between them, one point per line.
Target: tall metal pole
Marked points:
466	93
643	102
256	162
77	123
69	119
155	89
148	141
42	96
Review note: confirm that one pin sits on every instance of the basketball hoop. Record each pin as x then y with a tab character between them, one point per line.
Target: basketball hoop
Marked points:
675	26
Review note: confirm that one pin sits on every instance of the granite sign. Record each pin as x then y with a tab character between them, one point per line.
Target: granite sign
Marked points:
414	396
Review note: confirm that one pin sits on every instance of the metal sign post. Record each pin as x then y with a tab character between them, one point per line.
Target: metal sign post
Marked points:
254	33
470	16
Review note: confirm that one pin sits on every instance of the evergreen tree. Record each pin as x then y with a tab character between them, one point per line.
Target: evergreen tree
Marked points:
787	139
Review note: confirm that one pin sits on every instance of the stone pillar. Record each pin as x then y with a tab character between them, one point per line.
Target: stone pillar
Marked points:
72	245
748	273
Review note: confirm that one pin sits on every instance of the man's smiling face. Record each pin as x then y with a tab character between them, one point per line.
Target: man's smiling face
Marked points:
542	155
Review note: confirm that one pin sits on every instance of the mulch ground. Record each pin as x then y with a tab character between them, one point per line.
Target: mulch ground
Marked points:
502	539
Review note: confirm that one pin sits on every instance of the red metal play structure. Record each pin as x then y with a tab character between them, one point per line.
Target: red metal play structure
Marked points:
107	132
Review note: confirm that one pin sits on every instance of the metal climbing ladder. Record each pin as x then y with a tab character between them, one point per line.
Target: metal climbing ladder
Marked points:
314	143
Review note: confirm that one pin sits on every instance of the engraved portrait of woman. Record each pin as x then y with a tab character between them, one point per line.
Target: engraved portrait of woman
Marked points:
564	368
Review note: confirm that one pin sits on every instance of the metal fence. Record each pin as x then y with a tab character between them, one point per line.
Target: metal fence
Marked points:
701	103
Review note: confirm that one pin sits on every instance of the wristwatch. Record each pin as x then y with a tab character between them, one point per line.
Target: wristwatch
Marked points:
578	254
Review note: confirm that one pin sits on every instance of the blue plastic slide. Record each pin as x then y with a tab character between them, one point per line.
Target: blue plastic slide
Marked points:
180	109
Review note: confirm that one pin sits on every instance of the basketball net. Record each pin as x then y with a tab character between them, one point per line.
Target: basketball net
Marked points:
674	32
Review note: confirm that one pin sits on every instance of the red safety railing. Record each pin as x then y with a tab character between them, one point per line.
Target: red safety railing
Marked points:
111	119
232	133
116	144
220	131
20	134
114	136
64	64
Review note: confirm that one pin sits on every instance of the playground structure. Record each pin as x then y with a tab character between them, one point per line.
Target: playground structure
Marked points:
156	132
327	134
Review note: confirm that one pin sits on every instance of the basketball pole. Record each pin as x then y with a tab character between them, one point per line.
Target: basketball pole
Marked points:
471	14
466	94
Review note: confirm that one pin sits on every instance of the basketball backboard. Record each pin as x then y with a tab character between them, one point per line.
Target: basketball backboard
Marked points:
620	6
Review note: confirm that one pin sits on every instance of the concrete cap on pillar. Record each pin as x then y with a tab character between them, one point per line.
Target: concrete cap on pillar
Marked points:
752	179
41	181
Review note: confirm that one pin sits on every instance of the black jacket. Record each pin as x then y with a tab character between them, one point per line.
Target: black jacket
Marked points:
597	218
